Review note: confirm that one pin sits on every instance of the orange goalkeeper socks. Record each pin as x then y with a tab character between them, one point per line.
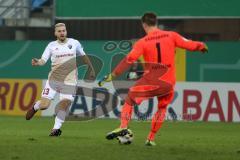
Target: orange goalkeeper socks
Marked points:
126	115
157	121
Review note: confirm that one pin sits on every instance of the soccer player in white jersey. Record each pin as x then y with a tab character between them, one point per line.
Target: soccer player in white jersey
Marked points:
63	53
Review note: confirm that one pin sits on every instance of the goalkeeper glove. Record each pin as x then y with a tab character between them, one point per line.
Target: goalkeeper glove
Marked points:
105	79
204	49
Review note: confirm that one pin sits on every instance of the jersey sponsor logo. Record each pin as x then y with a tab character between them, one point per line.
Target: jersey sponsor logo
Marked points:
64	55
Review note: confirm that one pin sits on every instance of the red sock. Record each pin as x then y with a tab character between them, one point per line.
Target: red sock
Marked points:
126	115
157	121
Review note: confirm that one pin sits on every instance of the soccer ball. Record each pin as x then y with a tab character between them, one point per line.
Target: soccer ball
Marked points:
132	75
126	139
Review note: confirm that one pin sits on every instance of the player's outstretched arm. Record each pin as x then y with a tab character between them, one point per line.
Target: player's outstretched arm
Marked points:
37	62
184	43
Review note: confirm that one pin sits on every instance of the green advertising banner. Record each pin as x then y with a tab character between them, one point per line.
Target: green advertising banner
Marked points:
221	64
16	57
135	8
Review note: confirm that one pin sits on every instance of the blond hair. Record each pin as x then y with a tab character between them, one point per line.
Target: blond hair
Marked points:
60	25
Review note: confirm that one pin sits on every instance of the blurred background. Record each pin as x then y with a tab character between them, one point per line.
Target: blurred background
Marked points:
118	20
26	27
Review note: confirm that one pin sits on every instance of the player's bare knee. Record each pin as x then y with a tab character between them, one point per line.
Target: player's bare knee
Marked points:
44	103
64	104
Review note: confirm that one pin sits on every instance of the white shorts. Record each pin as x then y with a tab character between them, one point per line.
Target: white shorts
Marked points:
49	92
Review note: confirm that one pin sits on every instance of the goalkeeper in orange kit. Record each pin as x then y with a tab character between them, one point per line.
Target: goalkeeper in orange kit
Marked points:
158	49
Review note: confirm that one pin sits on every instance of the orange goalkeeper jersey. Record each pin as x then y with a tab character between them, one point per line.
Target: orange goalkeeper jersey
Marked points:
159	46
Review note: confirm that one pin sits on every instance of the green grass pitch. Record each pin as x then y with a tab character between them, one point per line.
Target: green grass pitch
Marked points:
85	140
